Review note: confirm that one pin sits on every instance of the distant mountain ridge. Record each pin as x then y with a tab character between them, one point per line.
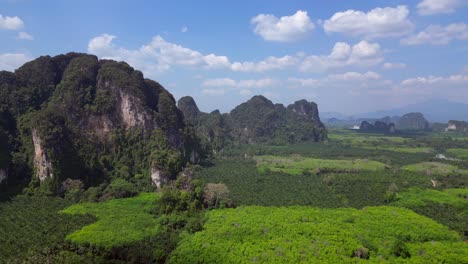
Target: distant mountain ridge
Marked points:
436	110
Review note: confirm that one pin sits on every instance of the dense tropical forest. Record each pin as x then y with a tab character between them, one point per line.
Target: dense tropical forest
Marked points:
101	165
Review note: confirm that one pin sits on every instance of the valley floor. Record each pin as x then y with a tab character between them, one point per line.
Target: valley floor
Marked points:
355	198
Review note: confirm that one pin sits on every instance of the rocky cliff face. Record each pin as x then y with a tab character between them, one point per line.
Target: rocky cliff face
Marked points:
42	163
257	120
80	117
307	109
412	121
458	126
189	108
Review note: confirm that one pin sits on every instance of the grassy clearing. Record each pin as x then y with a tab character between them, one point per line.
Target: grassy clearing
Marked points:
310	235
119	221
416	197
362	138
300	165
435	168
458	153
402	149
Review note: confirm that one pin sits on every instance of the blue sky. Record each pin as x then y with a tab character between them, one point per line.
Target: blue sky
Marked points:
349	56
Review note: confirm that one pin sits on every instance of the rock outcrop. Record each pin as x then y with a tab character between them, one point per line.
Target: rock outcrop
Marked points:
80	117
257	120
457	126
307	109
189	108
42	163
377	127
157	177
412	121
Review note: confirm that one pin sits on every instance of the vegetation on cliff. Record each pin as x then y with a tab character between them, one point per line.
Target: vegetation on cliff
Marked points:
256	121
76	117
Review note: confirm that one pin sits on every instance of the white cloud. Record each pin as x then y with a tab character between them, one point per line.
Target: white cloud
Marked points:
393	65
219	91
160	55
12	61
355	76
451	87
25	36
438	35
156	56
221	82
436	80
362	54
270	63
260	83
377	23
11	23
251	83
283	29
430	7
303	82
184	29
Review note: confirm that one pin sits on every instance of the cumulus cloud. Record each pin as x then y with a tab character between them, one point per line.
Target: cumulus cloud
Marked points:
160	55
184	29
250	83
220	85
430	7
436	80
25	36
452	87
11	23
438	35
270	63
156	56
11	61
393	65
283	29
362	54
355	76
307	82
377	23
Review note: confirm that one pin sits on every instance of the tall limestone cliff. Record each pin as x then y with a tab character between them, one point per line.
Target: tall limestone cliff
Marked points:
255	121
82	118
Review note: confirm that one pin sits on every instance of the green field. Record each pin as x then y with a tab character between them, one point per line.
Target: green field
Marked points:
458	153
309	235
402	149
361	138
298	165
119	221
416	197
435	168
449	207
